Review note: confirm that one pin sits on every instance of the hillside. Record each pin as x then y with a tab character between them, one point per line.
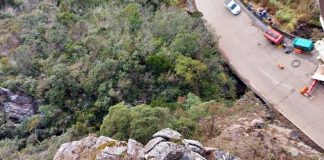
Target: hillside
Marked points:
120	69
75	59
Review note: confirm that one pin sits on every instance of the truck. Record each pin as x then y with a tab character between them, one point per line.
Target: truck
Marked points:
274	36
305	45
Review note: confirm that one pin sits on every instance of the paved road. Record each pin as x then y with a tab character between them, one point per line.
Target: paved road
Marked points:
257	67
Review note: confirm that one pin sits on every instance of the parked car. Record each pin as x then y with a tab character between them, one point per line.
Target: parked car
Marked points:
232	6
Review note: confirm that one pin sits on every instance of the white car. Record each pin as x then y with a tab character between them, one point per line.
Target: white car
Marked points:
232	6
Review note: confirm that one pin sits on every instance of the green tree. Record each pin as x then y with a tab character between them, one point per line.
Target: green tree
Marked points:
25	61
192	100
189	68
138	122
159	63
132	12
187	44
117	123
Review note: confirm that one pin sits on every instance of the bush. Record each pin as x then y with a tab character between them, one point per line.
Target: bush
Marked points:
139	122
117	123
67	18
159	63
285	14
189	68
187	44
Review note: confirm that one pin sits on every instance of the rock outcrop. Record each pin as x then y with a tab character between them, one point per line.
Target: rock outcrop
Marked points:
166	144
191	6
16	106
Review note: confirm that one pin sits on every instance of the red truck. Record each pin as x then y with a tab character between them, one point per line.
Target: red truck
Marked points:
273	36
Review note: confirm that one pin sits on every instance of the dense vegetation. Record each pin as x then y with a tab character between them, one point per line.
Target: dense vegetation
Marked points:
78	58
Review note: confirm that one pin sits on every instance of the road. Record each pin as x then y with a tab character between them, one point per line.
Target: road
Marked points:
255	61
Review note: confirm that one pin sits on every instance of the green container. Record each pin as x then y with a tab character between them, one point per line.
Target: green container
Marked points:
303	44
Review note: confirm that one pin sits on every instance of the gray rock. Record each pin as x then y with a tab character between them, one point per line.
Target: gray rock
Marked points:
104	148
166	151
191	6
168	133
92	147
152	143
115	150
221	155
257	123
190	155
194	143
77	149
102	139
196	149
105	156
135	150
294	135
292	151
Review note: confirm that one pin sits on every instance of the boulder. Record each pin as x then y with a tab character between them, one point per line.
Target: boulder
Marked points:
135	150
193	143
191	6
83	149
104	156
112	153
168	133
196	149
257	123
102	140
190	155
91	147
115	150
291	150
221	155
294	135
152	143
166	151
159	148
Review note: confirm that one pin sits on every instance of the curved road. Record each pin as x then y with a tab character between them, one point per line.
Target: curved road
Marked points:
255	61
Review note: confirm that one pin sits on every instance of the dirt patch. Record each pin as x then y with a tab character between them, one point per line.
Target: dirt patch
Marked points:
287	124
308	31
252	131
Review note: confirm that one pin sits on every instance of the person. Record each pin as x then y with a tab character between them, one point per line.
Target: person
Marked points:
270	21
259	11
284	45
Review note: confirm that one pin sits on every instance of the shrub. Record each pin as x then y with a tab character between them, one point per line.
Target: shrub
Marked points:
285	14
159	63
189	68
187	44
139	122
117	123
67	18
9	148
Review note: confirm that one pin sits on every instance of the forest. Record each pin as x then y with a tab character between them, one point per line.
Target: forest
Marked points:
123	69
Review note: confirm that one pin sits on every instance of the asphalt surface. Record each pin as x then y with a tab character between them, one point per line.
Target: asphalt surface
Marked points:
255	61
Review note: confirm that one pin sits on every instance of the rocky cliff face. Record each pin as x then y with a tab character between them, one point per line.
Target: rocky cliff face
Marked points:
166	144
15	106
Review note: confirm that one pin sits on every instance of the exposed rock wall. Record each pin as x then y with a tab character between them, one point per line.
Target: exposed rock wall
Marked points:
16	107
